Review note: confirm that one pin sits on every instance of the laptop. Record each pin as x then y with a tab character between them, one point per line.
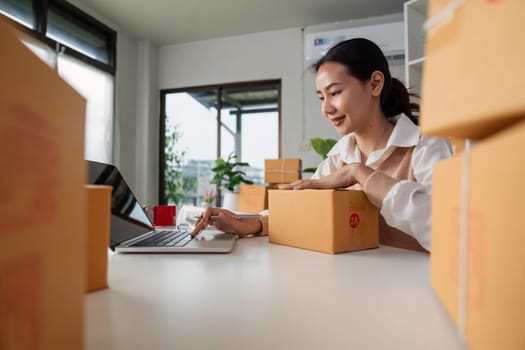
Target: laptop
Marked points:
132	231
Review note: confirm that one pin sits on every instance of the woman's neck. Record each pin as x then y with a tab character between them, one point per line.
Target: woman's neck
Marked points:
374	136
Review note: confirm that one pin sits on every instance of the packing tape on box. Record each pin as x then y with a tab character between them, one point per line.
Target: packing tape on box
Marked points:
444	15
463	243
283	170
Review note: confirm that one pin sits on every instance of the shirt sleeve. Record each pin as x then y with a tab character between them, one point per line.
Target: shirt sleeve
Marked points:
326	167
407	204
332	162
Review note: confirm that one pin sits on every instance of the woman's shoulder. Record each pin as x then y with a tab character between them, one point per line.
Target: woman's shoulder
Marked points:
430	148
434	142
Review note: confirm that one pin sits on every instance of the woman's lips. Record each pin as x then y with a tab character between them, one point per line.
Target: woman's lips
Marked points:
337	121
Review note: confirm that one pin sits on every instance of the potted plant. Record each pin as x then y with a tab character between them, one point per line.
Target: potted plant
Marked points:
208	197
176	184
322	147
228	176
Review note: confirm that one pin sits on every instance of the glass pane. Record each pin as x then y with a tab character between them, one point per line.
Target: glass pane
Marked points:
19	10
251	126
260	141
70	30
191	145
97	88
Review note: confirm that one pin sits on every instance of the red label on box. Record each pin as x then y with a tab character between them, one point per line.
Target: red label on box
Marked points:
353	220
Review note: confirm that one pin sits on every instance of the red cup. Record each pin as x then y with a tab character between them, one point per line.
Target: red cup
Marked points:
164	215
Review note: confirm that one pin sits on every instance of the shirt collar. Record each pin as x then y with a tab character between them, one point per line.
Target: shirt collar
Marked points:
405	134
346	150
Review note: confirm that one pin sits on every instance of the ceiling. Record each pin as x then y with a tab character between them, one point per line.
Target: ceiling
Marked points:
165	22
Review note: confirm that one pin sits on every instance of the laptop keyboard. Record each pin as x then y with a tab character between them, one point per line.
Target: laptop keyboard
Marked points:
178	238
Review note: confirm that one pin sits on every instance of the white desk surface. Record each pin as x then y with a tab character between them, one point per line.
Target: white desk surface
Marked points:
267	296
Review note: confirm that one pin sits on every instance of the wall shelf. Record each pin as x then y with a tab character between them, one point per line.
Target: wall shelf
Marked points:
415	12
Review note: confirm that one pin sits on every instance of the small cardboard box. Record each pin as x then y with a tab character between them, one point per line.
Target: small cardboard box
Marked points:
495	262
253	198
97	236
473	70
328	221
282	170
42	206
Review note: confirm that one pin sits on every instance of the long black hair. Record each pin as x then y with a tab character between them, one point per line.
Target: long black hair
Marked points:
362	57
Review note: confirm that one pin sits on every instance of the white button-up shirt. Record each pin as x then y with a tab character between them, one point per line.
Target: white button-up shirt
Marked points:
404	204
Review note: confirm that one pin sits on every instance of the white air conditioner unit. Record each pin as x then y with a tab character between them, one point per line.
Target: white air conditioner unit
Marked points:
388	36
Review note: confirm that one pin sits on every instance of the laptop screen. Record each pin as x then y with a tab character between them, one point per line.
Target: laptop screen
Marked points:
128	219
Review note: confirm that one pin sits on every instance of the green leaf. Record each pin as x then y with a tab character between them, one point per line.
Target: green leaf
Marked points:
226	173
322	146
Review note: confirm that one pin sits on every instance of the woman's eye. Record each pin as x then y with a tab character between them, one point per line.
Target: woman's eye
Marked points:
335	93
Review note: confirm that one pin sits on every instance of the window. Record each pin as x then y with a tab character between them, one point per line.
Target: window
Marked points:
97	88
200	124
58	22
72	28
82	50
19	10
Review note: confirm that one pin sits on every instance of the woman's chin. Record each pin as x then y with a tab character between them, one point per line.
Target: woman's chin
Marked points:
342	130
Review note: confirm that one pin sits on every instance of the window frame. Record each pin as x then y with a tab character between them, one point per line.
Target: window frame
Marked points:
40	12
219	88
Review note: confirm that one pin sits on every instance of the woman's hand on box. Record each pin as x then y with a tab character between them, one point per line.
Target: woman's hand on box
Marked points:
347	175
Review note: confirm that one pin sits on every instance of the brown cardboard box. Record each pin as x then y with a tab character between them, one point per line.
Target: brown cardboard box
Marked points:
329	221
495	280
97	235
458	145
42	206
473	71
253	198
282	170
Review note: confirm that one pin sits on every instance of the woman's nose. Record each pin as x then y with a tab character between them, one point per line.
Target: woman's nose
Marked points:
327	107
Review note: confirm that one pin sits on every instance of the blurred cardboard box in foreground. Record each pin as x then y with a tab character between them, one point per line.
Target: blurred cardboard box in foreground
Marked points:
494	261
42	206
473	71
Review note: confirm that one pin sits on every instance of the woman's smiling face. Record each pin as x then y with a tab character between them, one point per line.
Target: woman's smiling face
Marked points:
346	101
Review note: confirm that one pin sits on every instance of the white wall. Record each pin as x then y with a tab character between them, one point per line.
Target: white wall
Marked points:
126	107
147	132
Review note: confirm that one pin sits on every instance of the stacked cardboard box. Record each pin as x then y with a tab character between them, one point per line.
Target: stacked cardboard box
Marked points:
282	170
473	88
473	72
495	280
98	217
253	198
42	209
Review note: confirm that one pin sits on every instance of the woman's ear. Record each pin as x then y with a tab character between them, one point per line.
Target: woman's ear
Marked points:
377	81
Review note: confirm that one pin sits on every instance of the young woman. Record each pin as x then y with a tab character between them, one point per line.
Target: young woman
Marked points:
381	151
